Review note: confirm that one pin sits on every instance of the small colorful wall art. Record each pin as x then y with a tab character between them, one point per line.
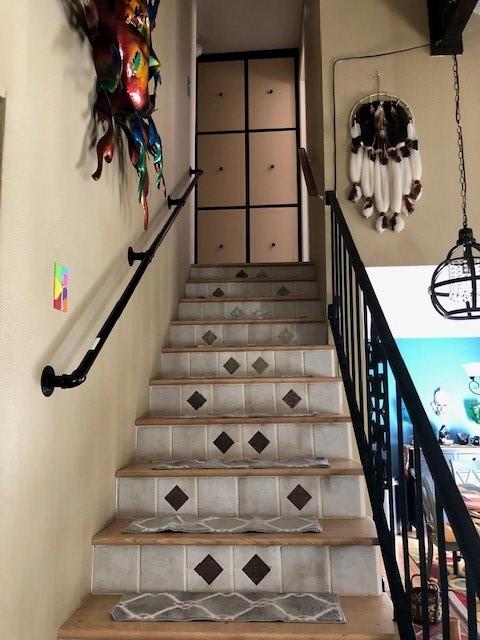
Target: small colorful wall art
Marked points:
120	35
60	287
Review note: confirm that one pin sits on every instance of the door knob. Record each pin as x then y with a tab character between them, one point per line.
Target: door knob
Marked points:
220	168
272	166
270	91
220	246
274	244
220	94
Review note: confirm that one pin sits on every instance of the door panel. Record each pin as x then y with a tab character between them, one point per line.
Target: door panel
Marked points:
221	96
274	235
272	99
222	158
221	236
273	168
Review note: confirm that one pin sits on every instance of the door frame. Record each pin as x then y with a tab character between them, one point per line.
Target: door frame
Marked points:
246	56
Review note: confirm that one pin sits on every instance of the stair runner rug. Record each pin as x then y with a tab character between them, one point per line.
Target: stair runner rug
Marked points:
256	463
216	524
229	607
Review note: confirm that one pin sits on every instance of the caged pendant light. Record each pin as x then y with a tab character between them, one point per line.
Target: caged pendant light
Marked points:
455	286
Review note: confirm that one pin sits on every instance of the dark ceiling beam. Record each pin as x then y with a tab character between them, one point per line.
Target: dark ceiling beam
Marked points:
448	19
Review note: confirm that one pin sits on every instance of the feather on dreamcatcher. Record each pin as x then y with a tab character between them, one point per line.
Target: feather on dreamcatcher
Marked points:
385	162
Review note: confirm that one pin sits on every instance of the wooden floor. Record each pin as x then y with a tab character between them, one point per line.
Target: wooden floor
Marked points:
368	618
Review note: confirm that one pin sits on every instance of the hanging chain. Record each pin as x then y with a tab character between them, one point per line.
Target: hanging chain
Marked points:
461	154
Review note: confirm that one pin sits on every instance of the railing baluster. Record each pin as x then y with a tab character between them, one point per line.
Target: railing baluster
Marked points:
471	604
402	494
352	326
420	530
359	348
442	565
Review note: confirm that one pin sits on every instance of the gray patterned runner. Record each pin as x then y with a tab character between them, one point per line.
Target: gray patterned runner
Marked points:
216	524
256	463
229	607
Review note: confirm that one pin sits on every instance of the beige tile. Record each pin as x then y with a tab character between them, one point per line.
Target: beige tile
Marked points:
235	334
284	309
217	496
295	441
182	335
259	356
241	360
269	452
325	397
257	496
312	310
188	443
300	496
162	568
289	363
234	452
229	399
260	399
355	571
213	310
285	334
154	442
319	362
260	334
175	365
288	390
204	364
190	392
190	311
312	333
115	569
306	568
202	330
136	496
165	399
343	497
333	440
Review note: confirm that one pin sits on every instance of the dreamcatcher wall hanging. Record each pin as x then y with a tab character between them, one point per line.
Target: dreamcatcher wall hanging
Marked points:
385	162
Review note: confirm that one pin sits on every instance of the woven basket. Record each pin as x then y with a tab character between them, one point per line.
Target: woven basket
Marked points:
433	598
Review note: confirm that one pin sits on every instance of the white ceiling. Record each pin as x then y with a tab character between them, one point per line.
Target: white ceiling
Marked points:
248	25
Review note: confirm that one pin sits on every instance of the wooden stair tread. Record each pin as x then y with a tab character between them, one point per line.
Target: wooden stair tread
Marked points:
338	467
241	348
249	280
151	419
250	321
336	532
290	298
368	618
259	380
254	264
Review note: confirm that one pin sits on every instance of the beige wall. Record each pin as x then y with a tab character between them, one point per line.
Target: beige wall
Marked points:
350	28
58	456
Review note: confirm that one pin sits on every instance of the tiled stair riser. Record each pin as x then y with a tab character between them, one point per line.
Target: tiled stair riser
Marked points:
243	364
238	334
250	289
350	570
325	497
243	399
238	442
255	272
259	310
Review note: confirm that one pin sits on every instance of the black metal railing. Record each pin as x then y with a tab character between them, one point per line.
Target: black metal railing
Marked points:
49	379
414	504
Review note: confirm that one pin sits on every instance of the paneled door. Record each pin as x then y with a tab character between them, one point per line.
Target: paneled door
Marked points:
247	201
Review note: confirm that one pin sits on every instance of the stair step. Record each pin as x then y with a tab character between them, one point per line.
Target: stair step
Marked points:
247	396
343	561
254	363
243	441
253	271
367	618
338	467
253	308
218	289
335	532
152	419
190	333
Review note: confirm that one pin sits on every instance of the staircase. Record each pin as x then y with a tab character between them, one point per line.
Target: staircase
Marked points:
248	376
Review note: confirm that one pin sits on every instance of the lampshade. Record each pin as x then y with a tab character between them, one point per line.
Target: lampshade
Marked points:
455	287
472	369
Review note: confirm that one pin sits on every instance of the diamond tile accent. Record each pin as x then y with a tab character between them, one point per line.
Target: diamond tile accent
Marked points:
196	400
256	569
218	293
237	313
176	498
259	442
299	497
260	365
283	291
231	365
286	336
241	274
291	398
262	274
208	569
223	442
209	337
260	313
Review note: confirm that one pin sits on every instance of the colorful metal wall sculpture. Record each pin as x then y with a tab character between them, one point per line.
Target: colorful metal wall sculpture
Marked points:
120	35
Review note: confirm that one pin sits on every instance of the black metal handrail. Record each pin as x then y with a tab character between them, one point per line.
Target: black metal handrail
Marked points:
367	351
49	379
